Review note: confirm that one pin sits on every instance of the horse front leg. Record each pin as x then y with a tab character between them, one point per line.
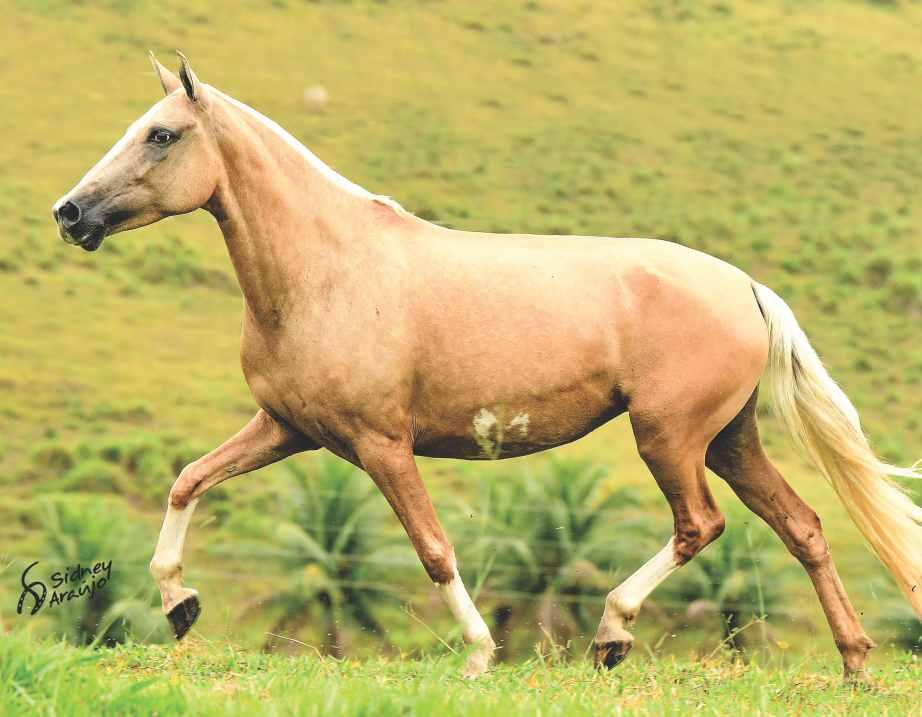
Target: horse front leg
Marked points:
391	465
260	442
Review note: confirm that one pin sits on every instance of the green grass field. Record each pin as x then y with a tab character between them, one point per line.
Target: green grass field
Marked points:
218	679
782	136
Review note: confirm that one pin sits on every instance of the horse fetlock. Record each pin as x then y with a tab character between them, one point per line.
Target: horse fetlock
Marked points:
620	608
174	595
612	642
480	657
855	656
168	575
480	634
612	631
163	570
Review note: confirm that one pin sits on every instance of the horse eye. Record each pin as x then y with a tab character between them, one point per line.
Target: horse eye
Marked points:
161	136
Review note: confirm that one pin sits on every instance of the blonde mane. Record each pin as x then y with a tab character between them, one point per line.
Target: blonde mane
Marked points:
312	159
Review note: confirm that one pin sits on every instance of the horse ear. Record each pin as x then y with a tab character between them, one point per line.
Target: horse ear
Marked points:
168	81
189	80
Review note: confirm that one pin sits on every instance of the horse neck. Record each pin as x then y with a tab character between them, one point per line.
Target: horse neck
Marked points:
290	223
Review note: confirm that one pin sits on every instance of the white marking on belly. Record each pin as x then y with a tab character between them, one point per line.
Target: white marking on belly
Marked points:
520	422
485	426
490	428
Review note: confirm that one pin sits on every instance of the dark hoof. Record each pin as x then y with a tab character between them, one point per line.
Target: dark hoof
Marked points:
183	616
611	654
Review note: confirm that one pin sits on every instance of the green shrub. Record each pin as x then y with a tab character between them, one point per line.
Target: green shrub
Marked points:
905	294
878	269
141	465
52	458
176	263
93	476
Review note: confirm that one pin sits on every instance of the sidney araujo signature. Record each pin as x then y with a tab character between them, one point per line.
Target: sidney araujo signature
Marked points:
72	583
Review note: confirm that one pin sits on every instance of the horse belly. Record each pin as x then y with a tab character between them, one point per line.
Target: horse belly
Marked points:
516	425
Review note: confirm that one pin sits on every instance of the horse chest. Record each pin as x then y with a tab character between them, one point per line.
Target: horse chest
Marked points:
282	377
303	388
286	389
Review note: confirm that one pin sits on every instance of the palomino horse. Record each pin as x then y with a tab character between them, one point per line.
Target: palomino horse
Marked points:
379	336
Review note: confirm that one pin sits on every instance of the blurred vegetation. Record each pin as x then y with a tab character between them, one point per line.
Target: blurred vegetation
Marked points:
325	533
744	579
78	531
780	136
543	547
136	466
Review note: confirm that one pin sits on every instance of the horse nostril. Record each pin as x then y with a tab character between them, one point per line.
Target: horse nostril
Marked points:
69	213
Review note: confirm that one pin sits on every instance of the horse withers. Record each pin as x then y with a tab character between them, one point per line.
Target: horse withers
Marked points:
379	336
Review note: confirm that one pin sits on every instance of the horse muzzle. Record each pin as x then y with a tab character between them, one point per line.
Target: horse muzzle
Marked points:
77	225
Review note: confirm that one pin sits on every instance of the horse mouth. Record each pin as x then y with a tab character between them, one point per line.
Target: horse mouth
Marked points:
89	241
92	240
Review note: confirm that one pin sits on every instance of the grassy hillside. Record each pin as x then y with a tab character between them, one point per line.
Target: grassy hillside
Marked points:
784	137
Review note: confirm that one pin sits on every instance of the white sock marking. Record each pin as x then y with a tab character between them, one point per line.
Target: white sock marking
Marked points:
462	607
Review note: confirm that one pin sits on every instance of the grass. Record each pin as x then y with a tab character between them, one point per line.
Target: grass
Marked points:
219	679
781	136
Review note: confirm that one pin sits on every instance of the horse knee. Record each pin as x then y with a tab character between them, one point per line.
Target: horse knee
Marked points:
438	559
184	487
806	542
693	537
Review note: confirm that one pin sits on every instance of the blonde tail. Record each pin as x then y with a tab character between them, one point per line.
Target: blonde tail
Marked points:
825	424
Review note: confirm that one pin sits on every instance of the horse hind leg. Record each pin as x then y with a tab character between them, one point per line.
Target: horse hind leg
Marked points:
737	456
679	472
